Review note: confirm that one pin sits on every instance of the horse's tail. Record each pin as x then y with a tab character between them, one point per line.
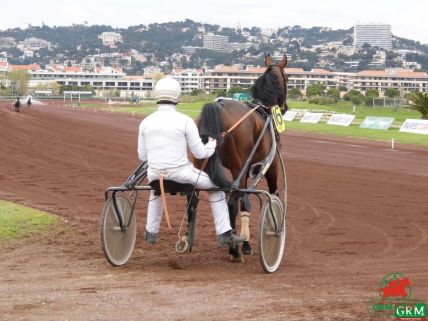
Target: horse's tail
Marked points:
210	125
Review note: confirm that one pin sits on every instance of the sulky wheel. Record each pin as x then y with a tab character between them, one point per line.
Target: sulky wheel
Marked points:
271	236
118	245
182	245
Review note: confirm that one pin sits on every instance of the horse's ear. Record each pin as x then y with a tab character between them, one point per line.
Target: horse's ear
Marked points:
283	62
268	61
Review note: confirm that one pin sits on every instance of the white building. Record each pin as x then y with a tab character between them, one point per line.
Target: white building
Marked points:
105	80
33	44
151	70
189	50
216	42
242	45
189	79
110	38
374	34
7	42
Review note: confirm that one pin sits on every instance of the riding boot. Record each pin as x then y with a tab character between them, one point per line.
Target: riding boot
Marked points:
150	237
228	238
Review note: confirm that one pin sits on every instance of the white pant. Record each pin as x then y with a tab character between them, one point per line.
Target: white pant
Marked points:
188	175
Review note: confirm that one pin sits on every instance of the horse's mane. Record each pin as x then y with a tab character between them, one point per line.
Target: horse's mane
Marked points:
266	88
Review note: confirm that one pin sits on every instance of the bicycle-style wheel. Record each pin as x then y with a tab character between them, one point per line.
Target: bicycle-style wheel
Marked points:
271	236
118	245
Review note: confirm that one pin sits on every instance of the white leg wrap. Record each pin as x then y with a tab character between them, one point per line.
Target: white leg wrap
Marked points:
245	225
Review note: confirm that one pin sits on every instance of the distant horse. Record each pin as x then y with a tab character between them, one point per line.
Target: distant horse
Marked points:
18	106
270	89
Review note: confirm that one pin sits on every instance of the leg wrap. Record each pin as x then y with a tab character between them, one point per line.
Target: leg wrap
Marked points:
245	225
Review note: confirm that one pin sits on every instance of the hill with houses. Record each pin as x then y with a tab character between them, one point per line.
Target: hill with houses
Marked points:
182	44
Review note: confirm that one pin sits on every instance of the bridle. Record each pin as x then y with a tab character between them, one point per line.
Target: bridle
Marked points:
284	82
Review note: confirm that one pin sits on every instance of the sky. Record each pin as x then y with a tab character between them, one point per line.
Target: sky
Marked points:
408	18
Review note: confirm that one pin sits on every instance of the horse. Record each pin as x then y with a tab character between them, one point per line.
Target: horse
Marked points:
269	89
18	106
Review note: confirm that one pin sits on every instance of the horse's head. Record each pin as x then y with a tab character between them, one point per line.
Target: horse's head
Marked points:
271	87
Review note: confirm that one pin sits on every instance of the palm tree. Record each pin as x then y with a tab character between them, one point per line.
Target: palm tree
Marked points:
419	102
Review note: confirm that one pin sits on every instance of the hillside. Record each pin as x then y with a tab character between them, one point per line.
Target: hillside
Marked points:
162	44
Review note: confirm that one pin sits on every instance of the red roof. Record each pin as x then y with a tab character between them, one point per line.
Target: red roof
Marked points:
25	67
320	71
404	73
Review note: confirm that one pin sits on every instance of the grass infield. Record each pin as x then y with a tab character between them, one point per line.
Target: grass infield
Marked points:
399	114
18	220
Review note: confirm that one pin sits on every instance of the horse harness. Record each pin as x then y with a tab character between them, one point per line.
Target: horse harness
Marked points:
264	112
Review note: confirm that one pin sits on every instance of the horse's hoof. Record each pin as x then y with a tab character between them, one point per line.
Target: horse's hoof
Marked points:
234	259
235	255
246	248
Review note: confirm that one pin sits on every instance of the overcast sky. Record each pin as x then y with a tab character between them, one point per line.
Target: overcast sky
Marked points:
408	18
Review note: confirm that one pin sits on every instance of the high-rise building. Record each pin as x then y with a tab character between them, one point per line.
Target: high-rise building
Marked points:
378	35
216	42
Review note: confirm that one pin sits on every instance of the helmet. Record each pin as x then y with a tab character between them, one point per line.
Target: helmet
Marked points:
167	89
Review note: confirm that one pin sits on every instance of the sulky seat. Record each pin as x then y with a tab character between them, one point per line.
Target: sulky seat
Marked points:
171	187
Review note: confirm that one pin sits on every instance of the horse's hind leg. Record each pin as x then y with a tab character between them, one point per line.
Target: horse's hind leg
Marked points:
245	224
192	205
233	202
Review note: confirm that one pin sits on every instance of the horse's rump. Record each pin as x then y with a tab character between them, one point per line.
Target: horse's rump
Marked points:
234	149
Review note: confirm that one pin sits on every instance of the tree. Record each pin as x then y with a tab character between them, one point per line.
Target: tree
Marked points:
419	102
357	100
392	92
372	93
19	78
315	90
294	93
196	92
333	93
219	92
342	88
235	90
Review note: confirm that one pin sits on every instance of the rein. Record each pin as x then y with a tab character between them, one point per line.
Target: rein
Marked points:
252	110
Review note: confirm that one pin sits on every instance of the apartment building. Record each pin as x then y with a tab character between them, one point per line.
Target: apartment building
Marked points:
216	42
189	79
402	79
225	77
221	78
378	35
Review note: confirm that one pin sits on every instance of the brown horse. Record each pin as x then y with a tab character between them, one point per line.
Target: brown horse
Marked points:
235	147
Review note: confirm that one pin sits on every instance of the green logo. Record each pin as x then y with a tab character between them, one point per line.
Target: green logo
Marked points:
417	310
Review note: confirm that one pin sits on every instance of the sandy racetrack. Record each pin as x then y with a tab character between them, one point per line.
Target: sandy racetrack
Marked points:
357	211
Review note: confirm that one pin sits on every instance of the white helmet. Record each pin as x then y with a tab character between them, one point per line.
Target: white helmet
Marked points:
167	89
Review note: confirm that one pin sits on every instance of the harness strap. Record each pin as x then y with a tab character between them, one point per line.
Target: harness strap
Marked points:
243	118
165	208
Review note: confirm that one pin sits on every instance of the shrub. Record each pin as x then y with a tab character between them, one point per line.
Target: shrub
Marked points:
294	93
357	100
315	90
322	100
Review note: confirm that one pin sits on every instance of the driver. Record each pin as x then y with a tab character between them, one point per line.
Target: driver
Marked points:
163	139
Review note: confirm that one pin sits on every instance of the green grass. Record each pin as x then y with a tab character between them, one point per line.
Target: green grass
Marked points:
354	131
18	220
399	114
192	109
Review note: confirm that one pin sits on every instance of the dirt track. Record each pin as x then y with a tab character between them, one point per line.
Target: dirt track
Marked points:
357	211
